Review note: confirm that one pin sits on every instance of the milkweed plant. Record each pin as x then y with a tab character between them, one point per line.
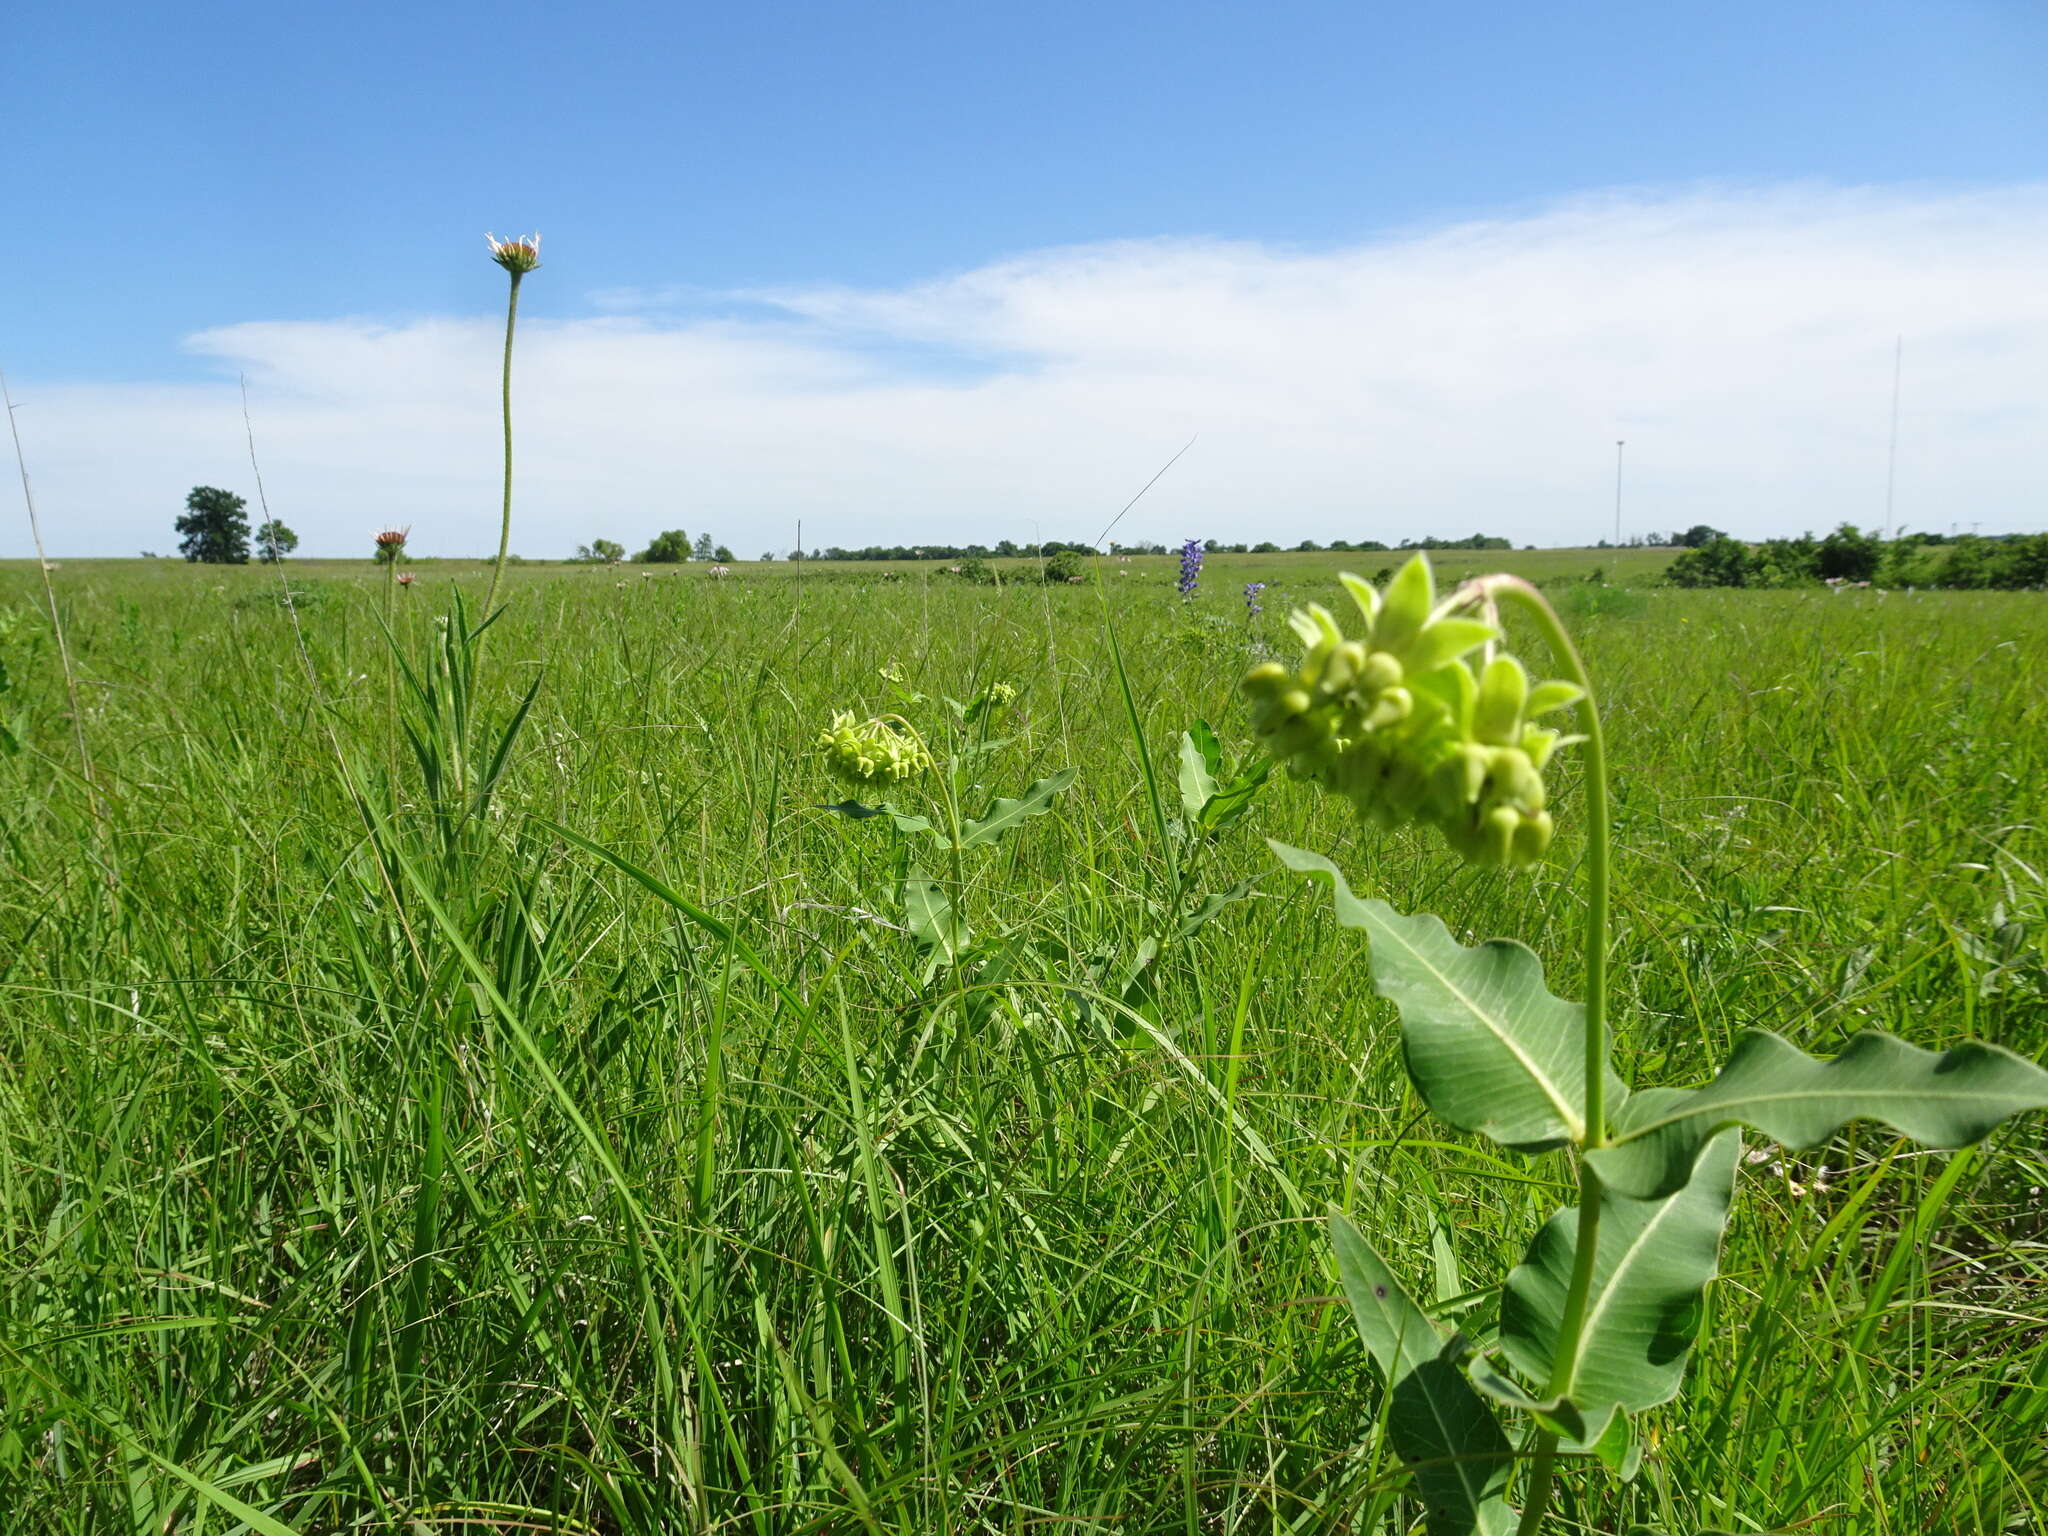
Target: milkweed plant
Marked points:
889	754
1424	717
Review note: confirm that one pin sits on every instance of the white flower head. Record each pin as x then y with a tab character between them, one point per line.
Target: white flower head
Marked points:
518	256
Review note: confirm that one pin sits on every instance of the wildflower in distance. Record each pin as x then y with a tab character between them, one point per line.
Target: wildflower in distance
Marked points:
1402	723
871	751
1252	606
1190	568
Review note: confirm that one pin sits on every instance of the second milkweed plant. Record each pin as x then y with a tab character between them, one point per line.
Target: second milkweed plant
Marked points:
887	752
1425	718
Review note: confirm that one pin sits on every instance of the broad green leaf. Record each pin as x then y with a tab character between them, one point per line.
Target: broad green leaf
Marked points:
1005	814
929	914
1620	1450
853	810
1439	1427
1215	902
1489	1048
1228	805
1653	1259
1559	1415
1201	760
1946	1100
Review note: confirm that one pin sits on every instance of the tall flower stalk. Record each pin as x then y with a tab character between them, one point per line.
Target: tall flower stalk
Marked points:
390	550
517	257
1190	569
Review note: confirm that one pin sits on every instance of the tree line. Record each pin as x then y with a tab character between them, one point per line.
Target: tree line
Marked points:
1850	556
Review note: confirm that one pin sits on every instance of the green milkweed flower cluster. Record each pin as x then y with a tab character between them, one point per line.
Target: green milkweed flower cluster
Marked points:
871	751
1410	726
1002	694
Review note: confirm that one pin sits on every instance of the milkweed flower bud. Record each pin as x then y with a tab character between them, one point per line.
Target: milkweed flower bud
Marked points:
870	751
1001	694
1399	723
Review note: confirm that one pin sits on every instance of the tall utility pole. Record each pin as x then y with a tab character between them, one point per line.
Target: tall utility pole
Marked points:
1619	445
1891	466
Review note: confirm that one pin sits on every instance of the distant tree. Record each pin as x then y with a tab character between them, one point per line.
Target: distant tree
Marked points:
1307	547
670	548
1699	534
722	555
1721	562
274	541
1265	547
1849	554
704	549
215	527
606	551
1065	566
767	555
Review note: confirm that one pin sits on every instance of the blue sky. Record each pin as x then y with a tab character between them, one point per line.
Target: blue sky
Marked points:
196	171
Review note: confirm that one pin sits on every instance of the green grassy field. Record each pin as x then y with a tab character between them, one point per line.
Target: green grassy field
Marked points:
431	1173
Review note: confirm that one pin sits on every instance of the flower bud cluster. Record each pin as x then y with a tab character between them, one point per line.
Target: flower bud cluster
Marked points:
871	751
1402	723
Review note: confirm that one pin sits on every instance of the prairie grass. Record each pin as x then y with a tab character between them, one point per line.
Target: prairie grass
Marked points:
372	1167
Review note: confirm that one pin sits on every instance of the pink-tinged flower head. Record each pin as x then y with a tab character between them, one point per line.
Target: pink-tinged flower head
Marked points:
519	256
406	578
392	538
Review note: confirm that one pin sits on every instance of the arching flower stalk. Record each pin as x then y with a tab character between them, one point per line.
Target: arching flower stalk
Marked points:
517	257
390	544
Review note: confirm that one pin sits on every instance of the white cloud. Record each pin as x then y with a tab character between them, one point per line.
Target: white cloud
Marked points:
1436	381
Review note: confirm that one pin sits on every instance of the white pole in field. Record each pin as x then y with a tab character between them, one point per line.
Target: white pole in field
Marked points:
1891	466
1619	445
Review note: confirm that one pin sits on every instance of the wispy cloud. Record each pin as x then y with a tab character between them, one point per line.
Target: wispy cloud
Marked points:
1443	380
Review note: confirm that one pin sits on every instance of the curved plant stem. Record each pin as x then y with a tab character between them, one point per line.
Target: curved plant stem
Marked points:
1564	1365
505	518
391	680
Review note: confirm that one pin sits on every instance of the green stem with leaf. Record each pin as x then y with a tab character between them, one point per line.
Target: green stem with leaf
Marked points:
1512	590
